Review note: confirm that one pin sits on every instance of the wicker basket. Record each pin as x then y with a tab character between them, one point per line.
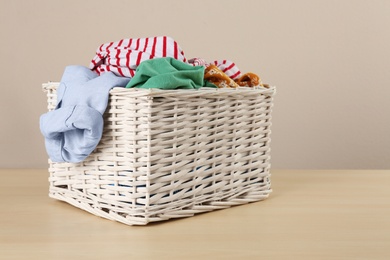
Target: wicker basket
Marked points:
170	154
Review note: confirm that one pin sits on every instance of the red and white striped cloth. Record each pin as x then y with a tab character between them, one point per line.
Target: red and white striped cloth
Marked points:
228	67
198	62
123	57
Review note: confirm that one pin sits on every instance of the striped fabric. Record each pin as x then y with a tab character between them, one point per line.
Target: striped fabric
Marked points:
229	68
123	57
198	62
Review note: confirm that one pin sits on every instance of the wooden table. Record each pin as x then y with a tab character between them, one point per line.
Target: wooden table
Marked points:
310	215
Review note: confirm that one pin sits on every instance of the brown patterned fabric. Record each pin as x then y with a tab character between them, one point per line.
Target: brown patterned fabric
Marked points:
249	80
214	75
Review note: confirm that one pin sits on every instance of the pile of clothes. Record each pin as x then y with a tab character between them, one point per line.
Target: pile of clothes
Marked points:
74	128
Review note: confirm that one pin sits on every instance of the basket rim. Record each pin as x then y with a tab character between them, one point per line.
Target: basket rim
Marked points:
157	92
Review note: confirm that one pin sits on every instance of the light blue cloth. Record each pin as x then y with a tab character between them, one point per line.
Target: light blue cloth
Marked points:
74	128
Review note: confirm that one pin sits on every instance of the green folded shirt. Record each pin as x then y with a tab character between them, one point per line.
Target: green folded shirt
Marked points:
168	73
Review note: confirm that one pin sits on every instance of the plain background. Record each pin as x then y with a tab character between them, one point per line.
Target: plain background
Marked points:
329	60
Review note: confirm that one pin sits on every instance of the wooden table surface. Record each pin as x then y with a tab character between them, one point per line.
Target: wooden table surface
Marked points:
323	214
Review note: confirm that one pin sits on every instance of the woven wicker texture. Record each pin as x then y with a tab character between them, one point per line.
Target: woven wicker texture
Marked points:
170	154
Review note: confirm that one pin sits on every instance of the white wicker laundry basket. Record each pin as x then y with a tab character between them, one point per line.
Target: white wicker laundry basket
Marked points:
171	153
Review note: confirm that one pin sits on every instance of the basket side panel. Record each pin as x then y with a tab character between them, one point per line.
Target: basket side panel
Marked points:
209	152
110	181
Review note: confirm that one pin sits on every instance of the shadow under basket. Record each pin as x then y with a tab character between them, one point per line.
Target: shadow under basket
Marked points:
170	154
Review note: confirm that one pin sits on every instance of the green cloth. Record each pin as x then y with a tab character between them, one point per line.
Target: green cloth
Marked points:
168	73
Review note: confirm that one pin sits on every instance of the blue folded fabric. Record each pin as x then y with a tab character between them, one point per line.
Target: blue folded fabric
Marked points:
74	128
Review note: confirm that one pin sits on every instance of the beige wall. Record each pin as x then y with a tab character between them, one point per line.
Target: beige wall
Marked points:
329	60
